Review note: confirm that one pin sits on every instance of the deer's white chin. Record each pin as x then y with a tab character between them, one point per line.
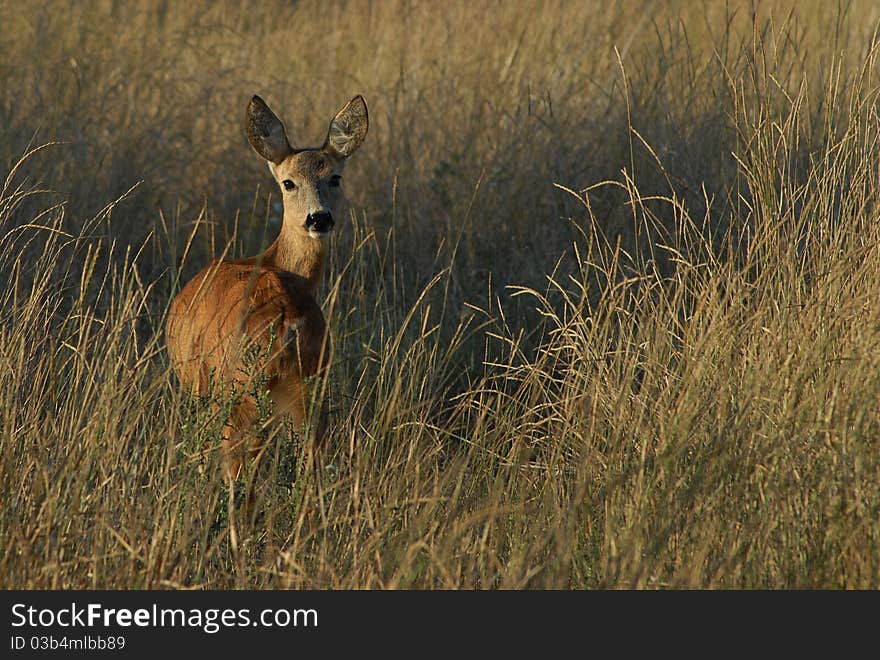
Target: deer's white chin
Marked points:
318	234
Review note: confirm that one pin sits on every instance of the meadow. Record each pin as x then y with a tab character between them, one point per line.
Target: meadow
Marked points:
603	303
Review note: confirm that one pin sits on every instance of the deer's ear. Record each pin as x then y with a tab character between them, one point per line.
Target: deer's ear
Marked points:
265	132
348	128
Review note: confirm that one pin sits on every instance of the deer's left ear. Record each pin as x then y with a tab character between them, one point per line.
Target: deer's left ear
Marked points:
348	128
266	132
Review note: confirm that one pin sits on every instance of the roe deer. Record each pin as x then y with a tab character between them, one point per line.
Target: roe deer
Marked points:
258	315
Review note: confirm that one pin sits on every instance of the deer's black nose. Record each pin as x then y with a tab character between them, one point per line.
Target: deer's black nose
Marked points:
321	222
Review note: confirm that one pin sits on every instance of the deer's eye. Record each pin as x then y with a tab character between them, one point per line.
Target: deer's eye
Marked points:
335	180
288	184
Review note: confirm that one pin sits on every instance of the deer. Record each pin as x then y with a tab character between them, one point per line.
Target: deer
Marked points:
240	319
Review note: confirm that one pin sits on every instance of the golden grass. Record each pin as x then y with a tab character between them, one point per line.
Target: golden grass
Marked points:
603	308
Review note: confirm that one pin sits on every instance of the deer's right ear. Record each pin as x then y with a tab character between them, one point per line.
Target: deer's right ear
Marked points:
348	128
266	132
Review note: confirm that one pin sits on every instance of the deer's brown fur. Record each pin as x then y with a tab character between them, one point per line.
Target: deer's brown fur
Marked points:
240	319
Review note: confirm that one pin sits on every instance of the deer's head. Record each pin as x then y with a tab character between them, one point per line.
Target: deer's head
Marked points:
309	178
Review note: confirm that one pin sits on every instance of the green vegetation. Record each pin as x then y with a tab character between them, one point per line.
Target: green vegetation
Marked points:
604	307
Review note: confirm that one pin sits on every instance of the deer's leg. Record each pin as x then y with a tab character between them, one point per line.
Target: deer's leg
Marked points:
230	446
242	442
292	397
239	441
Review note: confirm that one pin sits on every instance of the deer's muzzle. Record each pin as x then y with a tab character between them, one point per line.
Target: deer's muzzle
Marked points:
320	222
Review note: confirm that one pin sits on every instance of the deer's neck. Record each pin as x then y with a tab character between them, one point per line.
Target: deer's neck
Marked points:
298	253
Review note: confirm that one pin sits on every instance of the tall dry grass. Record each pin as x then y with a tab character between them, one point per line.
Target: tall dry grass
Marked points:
602	308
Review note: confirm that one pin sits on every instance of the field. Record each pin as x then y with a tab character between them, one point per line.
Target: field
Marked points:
603	303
